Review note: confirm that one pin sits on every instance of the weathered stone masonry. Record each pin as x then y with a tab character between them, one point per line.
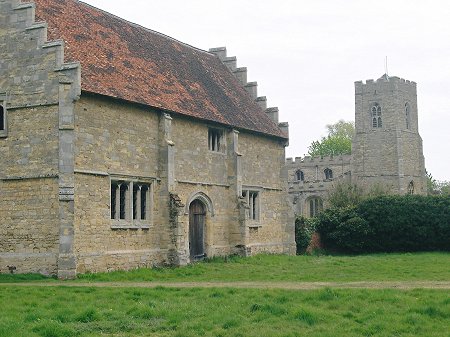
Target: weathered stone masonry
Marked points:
39	92
386	149
95	182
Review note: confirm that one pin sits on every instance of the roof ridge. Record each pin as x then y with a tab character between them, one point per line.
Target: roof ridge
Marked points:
128	61
143	27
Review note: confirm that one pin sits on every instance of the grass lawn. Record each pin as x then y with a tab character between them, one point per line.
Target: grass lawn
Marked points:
379	267
107	311
277	268
222	312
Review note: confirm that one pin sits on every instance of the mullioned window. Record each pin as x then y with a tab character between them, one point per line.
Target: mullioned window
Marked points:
130	203
377	121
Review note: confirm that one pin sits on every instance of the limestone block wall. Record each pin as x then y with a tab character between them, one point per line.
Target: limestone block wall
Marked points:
27	60
262	159
222	233
37	90
375	154
29	232
29	215
29	191
194	162
115	137
115	141
391	95
313	168
199	170
31	148
263	170
390	155
315	184
99	246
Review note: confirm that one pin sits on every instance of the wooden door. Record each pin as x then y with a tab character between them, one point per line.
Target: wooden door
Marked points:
197	217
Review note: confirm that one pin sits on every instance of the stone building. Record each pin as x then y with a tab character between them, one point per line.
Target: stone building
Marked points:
386	149
121	147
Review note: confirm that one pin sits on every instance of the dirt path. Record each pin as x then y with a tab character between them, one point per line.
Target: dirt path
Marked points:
249	285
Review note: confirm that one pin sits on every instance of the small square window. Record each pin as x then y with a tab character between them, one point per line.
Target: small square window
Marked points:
253	202
216	140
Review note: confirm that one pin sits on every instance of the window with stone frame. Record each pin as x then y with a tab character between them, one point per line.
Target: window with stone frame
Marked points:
299	175
328	174
375	113
315	206
408	115
216	140
3	124
253	201
411	188
130	202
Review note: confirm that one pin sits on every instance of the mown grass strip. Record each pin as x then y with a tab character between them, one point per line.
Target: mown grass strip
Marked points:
378	267
279	268
65	312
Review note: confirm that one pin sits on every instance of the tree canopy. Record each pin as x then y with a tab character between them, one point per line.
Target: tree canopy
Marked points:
436	187
338	141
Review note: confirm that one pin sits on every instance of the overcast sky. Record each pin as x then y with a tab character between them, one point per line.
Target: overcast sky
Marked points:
306	55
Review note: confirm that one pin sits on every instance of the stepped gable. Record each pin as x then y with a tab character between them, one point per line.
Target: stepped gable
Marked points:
127	61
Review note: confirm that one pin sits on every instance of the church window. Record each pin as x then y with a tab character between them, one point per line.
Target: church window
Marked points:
315	206
299	175
328	174
3	130
130	201
215	140
252	199
408	115
411	188
375	113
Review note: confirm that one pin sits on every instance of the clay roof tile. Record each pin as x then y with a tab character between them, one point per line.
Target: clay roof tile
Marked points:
130	62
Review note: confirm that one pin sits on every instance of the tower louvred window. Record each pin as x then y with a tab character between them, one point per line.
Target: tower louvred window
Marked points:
408	116
376	116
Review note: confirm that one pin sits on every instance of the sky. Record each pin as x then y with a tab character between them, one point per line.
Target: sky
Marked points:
306	55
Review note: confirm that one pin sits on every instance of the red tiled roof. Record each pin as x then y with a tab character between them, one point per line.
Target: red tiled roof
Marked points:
126	61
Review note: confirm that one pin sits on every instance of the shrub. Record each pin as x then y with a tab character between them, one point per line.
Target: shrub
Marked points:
304	229
345	194
408	223
388	224
341	229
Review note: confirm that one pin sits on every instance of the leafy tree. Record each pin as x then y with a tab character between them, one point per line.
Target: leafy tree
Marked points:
445	187
338	141
346	194
435	187
432	184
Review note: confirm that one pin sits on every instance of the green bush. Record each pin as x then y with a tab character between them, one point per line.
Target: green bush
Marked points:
388	224
304	229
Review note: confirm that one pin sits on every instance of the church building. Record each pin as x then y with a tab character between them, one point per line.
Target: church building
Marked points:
387	149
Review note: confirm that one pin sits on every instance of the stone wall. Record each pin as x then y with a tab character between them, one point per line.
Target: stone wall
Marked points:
60	154
29	232
262	170
31	148
390	155
315	184
37	89
119	141
115	140
201	171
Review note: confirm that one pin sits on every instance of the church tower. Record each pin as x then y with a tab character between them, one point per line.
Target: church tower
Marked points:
387	147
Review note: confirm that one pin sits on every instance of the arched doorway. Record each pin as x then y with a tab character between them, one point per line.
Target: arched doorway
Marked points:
197	216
